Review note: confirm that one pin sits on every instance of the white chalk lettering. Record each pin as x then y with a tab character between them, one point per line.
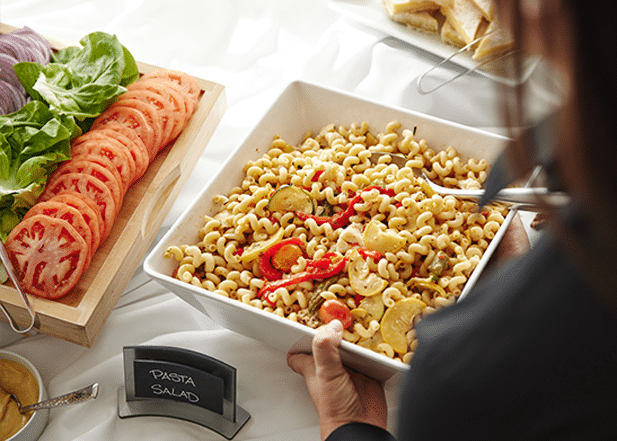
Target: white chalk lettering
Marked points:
158	374
158	389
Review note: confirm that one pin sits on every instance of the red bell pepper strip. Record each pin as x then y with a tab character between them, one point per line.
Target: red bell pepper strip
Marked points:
265	260
357	299
366	253
329	265
323	263
319	269
341	219
317	174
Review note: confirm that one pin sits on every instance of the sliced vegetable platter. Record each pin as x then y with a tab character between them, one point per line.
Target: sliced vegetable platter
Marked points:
79	316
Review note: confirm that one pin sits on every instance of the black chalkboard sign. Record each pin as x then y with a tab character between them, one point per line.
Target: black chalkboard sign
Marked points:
174	381
180	383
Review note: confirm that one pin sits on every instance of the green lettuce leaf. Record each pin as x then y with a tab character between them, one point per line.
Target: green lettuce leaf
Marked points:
81	82
33	141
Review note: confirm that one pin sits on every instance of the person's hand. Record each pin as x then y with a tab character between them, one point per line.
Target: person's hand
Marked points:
514	242
340	396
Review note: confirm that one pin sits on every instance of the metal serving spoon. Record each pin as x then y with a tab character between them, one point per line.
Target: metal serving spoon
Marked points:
84	394
523	195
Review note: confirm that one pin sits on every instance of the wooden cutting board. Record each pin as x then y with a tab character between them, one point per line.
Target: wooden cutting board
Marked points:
80	315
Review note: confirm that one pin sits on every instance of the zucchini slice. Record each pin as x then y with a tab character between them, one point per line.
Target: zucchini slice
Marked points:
291	198
256	248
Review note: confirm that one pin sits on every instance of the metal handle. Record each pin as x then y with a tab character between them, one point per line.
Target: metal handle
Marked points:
447	59
526	196
531	62
84	394
523	196
34	323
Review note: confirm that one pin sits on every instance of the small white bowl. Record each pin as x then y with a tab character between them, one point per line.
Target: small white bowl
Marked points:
37	422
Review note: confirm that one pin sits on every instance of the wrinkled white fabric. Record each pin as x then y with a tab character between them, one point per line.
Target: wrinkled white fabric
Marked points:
254	48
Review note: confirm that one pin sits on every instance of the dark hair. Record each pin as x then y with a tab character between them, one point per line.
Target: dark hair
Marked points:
595	96
586	157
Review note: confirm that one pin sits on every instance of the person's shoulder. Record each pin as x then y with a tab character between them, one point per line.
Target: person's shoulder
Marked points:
530	328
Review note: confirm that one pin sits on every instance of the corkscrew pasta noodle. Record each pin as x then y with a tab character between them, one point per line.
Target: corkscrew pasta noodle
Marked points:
332	167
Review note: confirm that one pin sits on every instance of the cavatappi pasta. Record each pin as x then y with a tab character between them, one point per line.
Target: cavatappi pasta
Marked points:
399	241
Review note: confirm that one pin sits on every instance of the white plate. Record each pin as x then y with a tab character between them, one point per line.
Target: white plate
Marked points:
372	14
300	107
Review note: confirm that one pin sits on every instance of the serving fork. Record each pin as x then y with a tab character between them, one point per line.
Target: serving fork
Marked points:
525	196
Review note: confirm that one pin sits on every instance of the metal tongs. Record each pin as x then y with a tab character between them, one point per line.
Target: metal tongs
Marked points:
531	65
8	266
523	196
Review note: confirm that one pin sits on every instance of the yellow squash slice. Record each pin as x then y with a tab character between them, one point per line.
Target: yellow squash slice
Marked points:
382	241
373	306
362	279
397	321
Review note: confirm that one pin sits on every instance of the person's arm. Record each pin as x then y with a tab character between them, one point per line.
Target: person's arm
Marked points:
360	432
346	401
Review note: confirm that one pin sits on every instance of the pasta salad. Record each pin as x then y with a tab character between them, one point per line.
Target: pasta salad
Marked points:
321	230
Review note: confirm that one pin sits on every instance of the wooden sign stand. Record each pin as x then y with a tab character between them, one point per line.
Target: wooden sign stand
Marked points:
183	384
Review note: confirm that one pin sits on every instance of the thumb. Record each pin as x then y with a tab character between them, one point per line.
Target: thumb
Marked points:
302	364
325	349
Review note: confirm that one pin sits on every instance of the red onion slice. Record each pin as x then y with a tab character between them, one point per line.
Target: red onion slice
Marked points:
11	98
20	45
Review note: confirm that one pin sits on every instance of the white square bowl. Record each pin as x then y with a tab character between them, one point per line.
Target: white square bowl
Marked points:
304	106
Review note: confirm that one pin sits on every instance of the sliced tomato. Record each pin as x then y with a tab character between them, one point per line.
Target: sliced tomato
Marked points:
334	309
104	162
79	165
90	187
88	212
91	204
177	100
48	254
187	101
163	109
60	210
129	139
113	151
184	80
151	115
130	117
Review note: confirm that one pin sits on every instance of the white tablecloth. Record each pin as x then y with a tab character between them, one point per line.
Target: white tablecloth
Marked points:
254	48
